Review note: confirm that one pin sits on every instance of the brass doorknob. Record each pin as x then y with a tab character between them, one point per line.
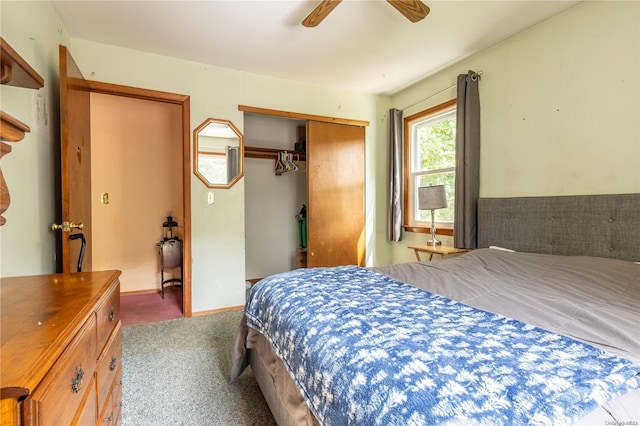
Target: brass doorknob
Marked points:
66	226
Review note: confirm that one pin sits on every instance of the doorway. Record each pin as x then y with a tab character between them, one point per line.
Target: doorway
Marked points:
136	180
141	176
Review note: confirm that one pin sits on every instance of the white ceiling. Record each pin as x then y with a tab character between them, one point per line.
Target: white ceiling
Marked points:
363	45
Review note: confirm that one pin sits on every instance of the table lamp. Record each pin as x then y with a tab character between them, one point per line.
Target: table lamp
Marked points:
431	198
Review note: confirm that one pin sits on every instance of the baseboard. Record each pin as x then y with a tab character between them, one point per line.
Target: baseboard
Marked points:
133	293
218	311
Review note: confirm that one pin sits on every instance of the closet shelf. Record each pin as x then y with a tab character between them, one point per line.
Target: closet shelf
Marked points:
271	153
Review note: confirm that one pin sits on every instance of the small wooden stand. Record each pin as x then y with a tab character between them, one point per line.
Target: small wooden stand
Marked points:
443	251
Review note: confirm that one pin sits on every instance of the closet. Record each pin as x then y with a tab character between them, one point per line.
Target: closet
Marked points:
330	184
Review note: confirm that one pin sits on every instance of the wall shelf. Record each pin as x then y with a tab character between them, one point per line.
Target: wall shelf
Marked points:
14	71
12	129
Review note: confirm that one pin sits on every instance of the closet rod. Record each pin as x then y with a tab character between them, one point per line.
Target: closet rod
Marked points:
270	153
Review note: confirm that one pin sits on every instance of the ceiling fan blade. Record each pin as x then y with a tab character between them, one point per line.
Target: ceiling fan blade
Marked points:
413	10
320	12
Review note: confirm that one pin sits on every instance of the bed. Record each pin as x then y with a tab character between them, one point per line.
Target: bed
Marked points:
538	326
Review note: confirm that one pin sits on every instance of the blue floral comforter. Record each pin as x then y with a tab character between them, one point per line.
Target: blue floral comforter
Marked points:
365	349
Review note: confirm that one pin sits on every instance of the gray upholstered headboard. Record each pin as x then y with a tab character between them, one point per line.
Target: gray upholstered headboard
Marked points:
586	225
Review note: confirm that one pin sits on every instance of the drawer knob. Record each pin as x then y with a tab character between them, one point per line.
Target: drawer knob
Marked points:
76	382
113	363
112	313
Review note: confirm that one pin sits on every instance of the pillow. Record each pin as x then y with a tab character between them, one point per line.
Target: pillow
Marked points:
502	248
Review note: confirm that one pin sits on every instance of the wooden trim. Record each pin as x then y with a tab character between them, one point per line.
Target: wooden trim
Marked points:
218	311
299	116
406	172
421	230
438	108
406	149
139	292
187	262
196	149
16	71
135	92
217	154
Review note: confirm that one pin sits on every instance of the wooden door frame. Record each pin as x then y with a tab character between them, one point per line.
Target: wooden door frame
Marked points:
184	102
301	116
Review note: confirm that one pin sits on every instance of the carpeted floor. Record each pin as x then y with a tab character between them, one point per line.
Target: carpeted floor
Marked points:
176	373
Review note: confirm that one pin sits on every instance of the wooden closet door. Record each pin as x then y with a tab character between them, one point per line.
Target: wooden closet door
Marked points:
335	192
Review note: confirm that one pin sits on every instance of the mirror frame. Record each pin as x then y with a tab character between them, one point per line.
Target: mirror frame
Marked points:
240	154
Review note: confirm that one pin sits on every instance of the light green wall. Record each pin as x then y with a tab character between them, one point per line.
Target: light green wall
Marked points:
27	243
218	235
560	107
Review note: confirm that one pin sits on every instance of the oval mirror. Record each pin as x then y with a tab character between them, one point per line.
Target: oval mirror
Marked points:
218	158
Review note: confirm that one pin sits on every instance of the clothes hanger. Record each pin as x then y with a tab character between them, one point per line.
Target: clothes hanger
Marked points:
280	166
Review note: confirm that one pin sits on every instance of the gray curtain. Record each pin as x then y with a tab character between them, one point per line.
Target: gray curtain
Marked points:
395	175
467	161
232	162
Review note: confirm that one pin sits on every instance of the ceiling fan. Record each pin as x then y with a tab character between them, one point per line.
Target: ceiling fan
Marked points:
413	10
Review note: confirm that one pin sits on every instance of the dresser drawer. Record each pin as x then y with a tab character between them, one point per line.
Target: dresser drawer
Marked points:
109	365
66	386
112	411
108	314
106	415
86	414
117	399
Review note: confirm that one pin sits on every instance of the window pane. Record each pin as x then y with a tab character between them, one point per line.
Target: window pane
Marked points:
448	180
436	143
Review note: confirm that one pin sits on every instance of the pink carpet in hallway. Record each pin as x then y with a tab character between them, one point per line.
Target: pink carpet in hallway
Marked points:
151	307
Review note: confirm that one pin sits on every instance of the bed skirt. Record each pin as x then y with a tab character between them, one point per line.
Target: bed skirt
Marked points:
284	400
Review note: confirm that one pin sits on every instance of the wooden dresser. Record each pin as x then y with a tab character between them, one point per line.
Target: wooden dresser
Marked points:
61	349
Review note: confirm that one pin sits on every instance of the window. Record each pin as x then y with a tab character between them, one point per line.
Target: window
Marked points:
430	159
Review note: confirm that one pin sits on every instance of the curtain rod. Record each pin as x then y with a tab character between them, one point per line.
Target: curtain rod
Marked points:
437	93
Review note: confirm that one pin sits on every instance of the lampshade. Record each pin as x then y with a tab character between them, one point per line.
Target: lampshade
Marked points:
432	197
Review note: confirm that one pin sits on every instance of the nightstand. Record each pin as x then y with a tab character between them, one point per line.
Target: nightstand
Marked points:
443	251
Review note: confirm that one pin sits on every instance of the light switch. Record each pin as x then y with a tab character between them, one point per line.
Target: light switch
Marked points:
210	198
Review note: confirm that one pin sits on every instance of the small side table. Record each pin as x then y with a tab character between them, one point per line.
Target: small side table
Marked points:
170	258
443	251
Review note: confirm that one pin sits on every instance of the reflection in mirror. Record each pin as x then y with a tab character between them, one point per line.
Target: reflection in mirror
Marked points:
218	158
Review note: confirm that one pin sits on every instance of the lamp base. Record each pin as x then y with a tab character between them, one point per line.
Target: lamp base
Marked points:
433	242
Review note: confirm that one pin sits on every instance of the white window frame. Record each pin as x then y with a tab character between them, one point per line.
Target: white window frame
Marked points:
412	175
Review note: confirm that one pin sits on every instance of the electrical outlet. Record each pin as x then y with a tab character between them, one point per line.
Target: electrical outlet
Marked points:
210	198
